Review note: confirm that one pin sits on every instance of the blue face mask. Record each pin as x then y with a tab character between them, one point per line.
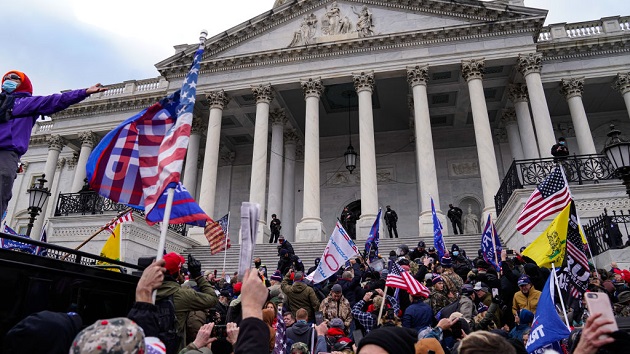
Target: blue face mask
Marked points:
9	86
562	143
455	253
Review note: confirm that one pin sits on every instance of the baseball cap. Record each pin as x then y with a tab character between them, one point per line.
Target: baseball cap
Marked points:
524	280
480	286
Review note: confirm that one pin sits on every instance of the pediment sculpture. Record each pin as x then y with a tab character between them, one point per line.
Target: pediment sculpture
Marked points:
334	23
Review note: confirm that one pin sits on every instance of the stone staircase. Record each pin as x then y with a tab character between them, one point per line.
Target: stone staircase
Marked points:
309	251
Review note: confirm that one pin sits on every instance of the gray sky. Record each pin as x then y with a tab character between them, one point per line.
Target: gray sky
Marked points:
66	44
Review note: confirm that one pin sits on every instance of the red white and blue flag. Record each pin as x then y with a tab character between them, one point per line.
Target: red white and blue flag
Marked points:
401	279
139	160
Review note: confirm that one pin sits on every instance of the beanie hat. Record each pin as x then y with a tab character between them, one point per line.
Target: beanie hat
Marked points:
55	329
446	262
298	276
336	288
237	287
437	278
173	263
116	335
454	247
398	340
336	323
525	316
421	244
277	276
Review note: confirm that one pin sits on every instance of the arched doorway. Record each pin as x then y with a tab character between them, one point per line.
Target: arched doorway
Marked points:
471	222
354	208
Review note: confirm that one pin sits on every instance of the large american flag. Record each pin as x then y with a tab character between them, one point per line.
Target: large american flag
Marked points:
280	345
135	163
550	197
401	279
216	233
575	270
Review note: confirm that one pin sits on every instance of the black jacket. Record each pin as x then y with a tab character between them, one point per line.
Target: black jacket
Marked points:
253	334
300	332
146	316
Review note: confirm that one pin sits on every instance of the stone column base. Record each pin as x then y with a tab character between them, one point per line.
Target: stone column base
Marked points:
425	223
263	233
364	225
196	233
310	231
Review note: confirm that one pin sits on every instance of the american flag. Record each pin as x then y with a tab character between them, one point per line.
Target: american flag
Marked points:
128	216
280	345
575	269
135	163
216	233
401	279
551	196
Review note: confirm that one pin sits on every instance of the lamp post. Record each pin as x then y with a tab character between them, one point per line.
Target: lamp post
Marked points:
37	196
618	152
350	155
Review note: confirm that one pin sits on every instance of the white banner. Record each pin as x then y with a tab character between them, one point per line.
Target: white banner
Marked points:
339	250
249	228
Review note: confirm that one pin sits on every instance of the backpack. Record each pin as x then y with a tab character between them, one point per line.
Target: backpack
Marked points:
6	107
168	324
448	310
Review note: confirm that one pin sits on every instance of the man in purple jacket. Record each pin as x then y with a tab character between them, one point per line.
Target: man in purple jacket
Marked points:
15	129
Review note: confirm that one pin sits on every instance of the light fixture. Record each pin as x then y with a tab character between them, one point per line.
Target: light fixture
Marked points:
618	152
37	196
350	155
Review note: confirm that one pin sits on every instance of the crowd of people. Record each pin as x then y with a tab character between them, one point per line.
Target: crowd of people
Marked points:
471	308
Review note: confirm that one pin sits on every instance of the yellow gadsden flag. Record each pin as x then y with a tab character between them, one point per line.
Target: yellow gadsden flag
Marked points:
551	245
111	249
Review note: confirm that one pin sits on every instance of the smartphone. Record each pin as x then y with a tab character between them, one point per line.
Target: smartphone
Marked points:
600	303
509	252
495	292
219	331
319	318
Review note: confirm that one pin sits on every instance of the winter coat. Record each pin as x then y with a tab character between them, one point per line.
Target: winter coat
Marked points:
528	302
417	316
467	308
336	309
300	332
299	296
253	334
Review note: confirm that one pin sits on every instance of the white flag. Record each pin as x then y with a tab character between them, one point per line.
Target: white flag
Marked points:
339	250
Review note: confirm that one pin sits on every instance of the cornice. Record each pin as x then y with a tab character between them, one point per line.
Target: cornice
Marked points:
491	18
112	105
585	47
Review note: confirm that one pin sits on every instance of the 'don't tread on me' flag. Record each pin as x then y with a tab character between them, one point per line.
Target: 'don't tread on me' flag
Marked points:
550	247
135	163
551	196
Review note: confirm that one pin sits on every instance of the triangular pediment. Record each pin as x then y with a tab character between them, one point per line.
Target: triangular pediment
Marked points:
309	24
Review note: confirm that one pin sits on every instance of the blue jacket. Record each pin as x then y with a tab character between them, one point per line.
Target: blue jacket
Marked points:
417	316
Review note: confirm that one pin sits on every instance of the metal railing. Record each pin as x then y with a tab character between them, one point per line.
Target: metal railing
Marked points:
607	231
579	169
89	202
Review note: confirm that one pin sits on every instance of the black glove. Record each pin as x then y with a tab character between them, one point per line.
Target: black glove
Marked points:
194	267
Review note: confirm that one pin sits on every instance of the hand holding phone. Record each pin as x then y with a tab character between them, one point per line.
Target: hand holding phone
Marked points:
219	331
319	318
600	303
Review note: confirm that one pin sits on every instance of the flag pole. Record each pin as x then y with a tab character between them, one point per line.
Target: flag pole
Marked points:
170	194
380	311
494	244
227	237
564	310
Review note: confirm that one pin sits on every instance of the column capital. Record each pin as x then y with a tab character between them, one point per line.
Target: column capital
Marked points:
217	99
56	142
61	162
88	139
573	87
312	87
509	116
263	93
501	135
291	137
363	81
518	93
72	162
418	75
197	126
529	63
622	83
473	69
278	117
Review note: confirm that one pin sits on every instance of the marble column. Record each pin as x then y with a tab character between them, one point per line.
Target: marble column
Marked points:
519	97
87	144
530	65
207	194
572	89
258	182
513	134
364	84
191	168
288	187
55	145
310	228
622	84
472	71
277	119
418	77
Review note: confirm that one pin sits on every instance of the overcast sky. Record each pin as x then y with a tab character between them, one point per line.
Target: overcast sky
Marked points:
66	44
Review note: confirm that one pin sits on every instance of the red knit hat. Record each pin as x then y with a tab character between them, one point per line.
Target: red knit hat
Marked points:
25	85
237	287
173	262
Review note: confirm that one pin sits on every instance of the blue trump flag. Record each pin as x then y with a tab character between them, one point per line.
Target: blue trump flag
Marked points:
547	328
438	239
491	252
373	238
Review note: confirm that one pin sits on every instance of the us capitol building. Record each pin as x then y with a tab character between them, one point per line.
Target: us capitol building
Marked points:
434	98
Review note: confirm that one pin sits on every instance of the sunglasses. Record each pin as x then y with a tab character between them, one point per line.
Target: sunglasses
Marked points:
13	76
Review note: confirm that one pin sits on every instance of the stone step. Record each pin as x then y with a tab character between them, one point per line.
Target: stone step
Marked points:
309	251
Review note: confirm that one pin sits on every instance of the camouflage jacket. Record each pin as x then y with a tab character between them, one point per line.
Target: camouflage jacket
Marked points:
437	300
336	309
622	310
452	284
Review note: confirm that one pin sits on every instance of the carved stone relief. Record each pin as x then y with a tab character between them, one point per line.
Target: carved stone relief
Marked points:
463	168
345	178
